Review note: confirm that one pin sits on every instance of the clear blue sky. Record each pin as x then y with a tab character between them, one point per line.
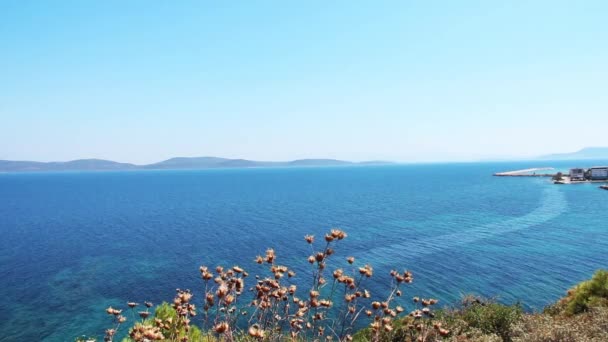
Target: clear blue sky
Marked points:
141	81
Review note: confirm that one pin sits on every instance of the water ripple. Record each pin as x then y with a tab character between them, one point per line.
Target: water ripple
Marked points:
553	204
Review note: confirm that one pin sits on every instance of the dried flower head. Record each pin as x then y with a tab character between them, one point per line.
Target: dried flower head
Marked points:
222	290
444	332
292	289
338	273
367	271
256	332
338	234
221	327
270	256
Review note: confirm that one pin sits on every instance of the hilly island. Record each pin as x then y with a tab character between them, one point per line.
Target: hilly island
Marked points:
199	163
179	163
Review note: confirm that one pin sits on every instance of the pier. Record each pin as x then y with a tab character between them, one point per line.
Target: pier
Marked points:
526	173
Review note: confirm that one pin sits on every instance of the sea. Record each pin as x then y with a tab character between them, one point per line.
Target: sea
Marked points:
74	243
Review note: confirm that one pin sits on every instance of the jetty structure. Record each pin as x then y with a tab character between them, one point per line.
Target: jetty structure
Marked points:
526	173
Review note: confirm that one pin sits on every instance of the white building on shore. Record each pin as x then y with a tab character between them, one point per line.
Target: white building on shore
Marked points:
598	173
577	174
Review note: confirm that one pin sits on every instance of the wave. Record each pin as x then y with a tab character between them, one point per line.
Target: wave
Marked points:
553	203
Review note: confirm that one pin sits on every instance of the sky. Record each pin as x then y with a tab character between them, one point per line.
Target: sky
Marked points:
410	81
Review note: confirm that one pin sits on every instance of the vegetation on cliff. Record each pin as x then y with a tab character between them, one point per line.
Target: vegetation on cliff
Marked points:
338	304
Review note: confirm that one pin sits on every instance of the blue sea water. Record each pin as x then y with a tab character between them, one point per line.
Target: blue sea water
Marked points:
74	243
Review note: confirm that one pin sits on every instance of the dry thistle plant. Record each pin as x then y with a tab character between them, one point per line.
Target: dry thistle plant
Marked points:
118	319
141	331
274	311
419	323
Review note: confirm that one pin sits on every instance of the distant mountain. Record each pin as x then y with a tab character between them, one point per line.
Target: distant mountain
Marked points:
236	163
585	153
74	165
213	162
318	162
187	163
180	163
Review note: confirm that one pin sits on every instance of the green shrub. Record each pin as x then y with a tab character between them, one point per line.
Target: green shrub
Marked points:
492	318
165	312
588	294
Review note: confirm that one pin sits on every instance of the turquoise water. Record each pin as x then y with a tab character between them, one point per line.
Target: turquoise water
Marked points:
75	243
